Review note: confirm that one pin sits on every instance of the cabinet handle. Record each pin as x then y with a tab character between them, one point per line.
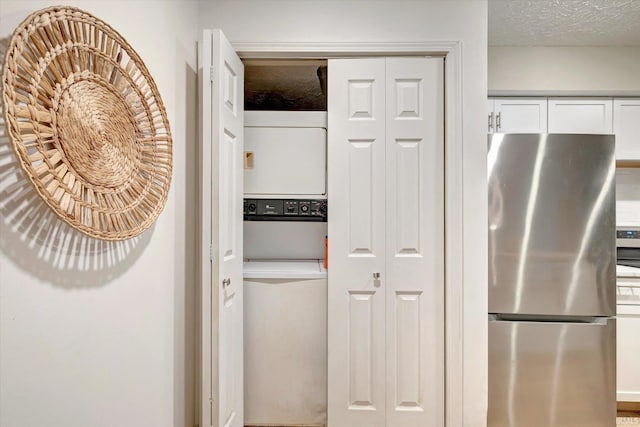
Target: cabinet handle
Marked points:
226	282
498	121
376	276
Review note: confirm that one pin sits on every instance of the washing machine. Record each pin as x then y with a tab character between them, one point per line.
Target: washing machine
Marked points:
285	343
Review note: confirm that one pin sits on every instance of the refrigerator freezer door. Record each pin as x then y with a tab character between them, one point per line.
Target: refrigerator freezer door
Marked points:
552	374
552	224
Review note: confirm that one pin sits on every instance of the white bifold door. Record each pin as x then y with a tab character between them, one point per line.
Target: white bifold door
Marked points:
222	85
386	242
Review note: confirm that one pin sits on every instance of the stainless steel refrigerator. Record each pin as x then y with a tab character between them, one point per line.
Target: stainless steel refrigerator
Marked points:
552	328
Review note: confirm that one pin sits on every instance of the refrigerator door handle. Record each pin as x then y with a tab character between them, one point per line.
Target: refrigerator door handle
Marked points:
586	320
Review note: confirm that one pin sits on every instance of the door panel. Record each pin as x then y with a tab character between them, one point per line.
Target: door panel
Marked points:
227	305
409	393
580	115
228	208
521	115
415	241
361	384
626	125
407	197
356	186
361	197
540	261
552	374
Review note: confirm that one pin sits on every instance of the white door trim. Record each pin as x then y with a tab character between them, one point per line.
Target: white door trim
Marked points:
205	358
220	310
454	194
337	50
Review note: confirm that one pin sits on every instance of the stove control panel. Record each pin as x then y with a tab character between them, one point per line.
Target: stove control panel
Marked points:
285	210
628	237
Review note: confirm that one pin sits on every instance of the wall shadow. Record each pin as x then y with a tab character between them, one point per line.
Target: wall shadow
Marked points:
187	242
45	247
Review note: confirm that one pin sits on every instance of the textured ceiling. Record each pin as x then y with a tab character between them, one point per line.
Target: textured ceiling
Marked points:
564	22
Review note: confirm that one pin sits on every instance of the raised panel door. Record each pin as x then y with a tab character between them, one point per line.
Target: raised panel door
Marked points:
228	123
356	193
386	234
414	282
222	76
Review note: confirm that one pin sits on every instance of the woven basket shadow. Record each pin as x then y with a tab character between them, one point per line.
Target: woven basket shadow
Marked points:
87	123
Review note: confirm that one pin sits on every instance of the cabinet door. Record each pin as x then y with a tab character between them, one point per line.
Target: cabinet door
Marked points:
221	76
581	115
356	194
626	126
628	339
414	282
628	349
520	115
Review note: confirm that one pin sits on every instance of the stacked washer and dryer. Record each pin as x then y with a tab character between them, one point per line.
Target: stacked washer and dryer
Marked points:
285	282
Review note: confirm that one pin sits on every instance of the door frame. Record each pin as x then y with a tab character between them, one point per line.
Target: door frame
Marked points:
451	51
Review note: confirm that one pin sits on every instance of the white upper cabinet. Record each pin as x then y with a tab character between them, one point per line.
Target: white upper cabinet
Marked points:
626	126
519	115
581	115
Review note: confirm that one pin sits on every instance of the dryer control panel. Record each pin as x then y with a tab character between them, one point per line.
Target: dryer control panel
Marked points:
285	210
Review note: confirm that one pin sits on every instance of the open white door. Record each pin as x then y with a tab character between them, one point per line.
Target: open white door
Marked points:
222	85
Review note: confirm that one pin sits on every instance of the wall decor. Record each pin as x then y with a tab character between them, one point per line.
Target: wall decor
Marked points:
87	123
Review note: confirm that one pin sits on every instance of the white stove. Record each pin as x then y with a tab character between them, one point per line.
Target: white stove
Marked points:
628	265
628	313
628	251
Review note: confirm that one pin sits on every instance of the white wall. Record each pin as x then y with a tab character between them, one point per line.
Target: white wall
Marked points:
522	70
325	21
95	334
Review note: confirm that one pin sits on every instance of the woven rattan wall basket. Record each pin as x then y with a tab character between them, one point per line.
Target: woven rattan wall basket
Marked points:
87	123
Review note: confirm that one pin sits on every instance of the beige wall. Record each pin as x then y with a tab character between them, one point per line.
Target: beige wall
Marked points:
521	70
95	334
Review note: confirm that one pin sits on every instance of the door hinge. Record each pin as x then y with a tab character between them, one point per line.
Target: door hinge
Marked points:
211	73
211	252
